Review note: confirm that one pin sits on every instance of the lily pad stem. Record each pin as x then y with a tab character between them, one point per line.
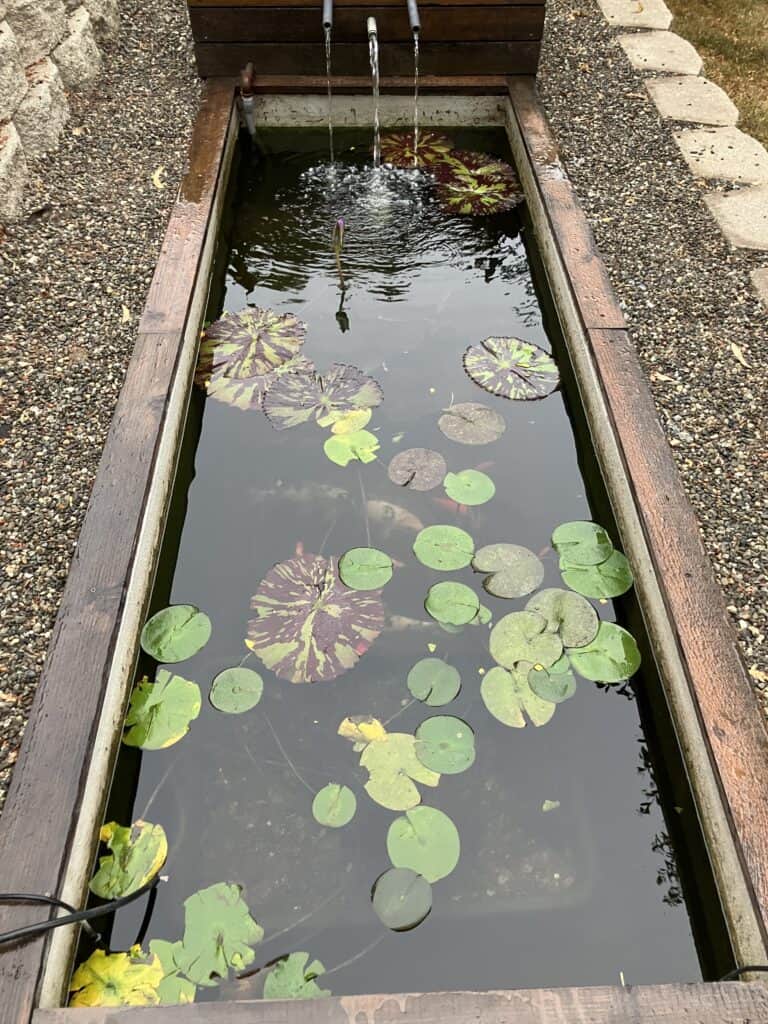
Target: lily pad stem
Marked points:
288	761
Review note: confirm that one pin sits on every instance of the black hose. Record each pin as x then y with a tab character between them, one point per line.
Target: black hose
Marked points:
735	974
35	897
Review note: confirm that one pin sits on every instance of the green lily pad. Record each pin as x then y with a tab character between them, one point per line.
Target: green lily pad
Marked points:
426	841
160	713
236	690
296	398
610	578
444	547
362	730
401	898
472	423
434	682
174	989
582	543
393	771
138	853
512	368
365	568
176	633
360	446
569	615
117	979
420	469
549	805
293	978
612	656
483	617
515	570
453	604
522	636
334	806
555	684
219	934
445	744
349	422
469	487
510	699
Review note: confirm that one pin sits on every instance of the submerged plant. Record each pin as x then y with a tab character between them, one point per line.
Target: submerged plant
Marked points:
399	150
476	184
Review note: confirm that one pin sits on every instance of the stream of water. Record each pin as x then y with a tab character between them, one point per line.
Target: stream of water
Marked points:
415	99
373	51
327	29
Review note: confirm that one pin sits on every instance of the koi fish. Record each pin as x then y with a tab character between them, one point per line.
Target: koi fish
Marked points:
391	517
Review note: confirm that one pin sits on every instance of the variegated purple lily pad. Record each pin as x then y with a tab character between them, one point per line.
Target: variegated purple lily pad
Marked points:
476	184
248	392
397	149
512	368
296	397
308	626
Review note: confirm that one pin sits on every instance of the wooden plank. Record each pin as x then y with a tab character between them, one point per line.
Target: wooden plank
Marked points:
49	778
338	4
352	58
729	1003
283	24
301	84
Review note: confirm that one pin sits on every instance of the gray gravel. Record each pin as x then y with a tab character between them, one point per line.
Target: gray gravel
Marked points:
70	276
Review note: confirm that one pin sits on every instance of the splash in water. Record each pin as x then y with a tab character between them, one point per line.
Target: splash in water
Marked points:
328	88
415	99
373	51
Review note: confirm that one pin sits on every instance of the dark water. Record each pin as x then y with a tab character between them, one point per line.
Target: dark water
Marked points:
575	896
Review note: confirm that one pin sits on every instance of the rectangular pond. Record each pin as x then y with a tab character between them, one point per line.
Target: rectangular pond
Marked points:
581	861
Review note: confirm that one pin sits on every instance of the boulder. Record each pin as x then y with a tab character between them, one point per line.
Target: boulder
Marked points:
78	57
44	111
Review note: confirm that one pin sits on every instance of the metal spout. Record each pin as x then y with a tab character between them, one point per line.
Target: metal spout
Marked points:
413	16
372	30
327	13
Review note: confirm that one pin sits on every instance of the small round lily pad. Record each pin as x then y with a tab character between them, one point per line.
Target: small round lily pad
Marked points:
510	699
176	633
445	744
522	636
453	603
334	806
582	543
567	614
472	423
434	681
555	684
608	579
365	568
469	487
401	898
420	469
360	446
612	657
236	690
516	571
444	547
426	841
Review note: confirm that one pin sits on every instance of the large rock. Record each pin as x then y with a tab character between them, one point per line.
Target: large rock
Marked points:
742	216
636	13
44	111
725	153
105	19
13	174
661	51
13	84
78	57
38	25
693	99
760	281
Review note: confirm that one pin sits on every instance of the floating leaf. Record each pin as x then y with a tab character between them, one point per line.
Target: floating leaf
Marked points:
476	184
516	570
247	393
298	397
582	543
345	448
308	625
362	730
421	469
610	578
512	368
483	617
612	656
176	633
469	487
472	423
117	979
434	682
236	690
334	806
293	978
160	712
509	697
397	149
365	568
444	547
426	841
401	898
445	744
567	614
554	684
350	422
549	805
522	636
393	770
173	989
138	853
452	604
219	934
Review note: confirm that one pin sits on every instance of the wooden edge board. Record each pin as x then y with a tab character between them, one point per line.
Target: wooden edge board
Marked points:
46	791
304	84
357	3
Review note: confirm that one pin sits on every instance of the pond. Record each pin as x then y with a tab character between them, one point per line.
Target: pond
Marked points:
488	817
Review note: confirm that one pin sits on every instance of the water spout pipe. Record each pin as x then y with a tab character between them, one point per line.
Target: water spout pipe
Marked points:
372	30
413	16
327	14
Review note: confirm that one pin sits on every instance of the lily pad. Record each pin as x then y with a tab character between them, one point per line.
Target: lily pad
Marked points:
612	656
476	184
248	393
176	633
294	978
516	571
393	771
522	636
174	989
472	423
401	898
365	568
298	397
582	543
308	626
445	744
483	617
138	853
350	422
334	806
510	699
219	934
610	578
434	682
512	368
117	979
397	149
444	547
160	713
421	469
555	684
454	604
362	730
469	487
236	690
567	614
426	841
361	446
